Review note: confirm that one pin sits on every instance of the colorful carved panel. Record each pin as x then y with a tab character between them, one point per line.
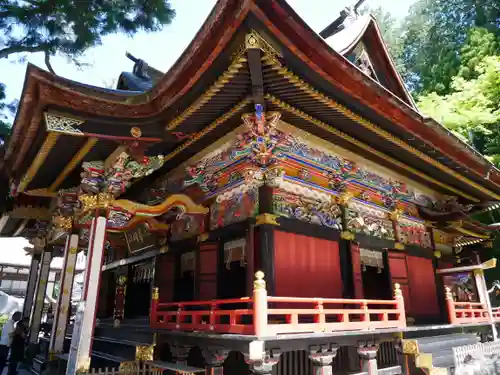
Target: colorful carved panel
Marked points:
321	212
368	219
186	227
235	208
96	177
263	145
413	233
442	238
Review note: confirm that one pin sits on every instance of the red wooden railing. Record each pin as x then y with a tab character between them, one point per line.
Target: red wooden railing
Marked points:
262	315
465	312
496	313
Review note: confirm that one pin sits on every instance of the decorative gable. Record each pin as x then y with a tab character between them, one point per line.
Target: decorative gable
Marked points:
360	41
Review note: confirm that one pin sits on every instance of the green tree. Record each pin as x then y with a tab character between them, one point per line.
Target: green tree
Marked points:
472	109
6	109
70	27
479	44
433	34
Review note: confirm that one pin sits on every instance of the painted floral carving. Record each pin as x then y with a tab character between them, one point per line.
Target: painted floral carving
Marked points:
125	169
235	208
96	177
370	220
413	233
92	177
186	227
262	136
118	219
326	213
67	202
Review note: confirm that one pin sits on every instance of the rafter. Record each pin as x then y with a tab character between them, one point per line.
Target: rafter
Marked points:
70	167
40	158
254	52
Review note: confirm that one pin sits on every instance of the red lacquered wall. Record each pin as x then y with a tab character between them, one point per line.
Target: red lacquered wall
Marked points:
207	271
416	277
165	276
422	286
399	274
306	266
356	271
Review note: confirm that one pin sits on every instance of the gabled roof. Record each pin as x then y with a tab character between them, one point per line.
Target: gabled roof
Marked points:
364	31
201	98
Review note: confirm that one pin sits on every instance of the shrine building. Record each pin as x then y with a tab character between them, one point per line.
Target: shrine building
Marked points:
275	203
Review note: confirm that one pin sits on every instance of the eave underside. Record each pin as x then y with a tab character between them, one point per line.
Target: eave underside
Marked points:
213	107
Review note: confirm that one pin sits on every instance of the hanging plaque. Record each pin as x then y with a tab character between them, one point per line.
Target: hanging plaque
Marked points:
139	239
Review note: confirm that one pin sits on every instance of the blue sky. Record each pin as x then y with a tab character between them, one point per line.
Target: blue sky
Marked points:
161	49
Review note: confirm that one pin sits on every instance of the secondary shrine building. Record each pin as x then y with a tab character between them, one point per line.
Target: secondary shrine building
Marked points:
274	203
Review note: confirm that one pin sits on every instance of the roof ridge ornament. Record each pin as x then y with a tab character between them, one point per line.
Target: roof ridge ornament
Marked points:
140	67
349	14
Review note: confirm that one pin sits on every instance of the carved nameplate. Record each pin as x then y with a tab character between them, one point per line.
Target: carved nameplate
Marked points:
139	239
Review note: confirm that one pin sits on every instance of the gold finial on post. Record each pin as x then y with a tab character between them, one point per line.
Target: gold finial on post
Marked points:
447	293
259	304
450	304
156	294
259	282
400	304
397	290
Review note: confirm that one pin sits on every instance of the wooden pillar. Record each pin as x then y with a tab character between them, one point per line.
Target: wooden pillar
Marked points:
120	295
41	288
81	341
30	290
265	225
368	356
322	360
64	299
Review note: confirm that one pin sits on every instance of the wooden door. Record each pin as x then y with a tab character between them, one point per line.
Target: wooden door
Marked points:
206	266
165	276
357	276
422	280
399	274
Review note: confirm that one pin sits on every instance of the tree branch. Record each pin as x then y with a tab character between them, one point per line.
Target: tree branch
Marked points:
47	62
6	52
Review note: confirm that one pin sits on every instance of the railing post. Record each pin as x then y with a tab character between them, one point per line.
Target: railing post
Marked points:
366	314
451	305
211	319
259	305
154	306
320	318
400	304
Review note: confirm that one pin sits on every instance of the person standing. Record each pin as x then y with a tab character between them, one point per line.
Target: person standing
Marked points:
16	348
6	338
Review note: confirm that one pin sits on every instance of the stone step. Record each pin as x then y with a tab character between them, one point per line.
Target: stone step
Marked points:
114	347
434	343
144	335
443	358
